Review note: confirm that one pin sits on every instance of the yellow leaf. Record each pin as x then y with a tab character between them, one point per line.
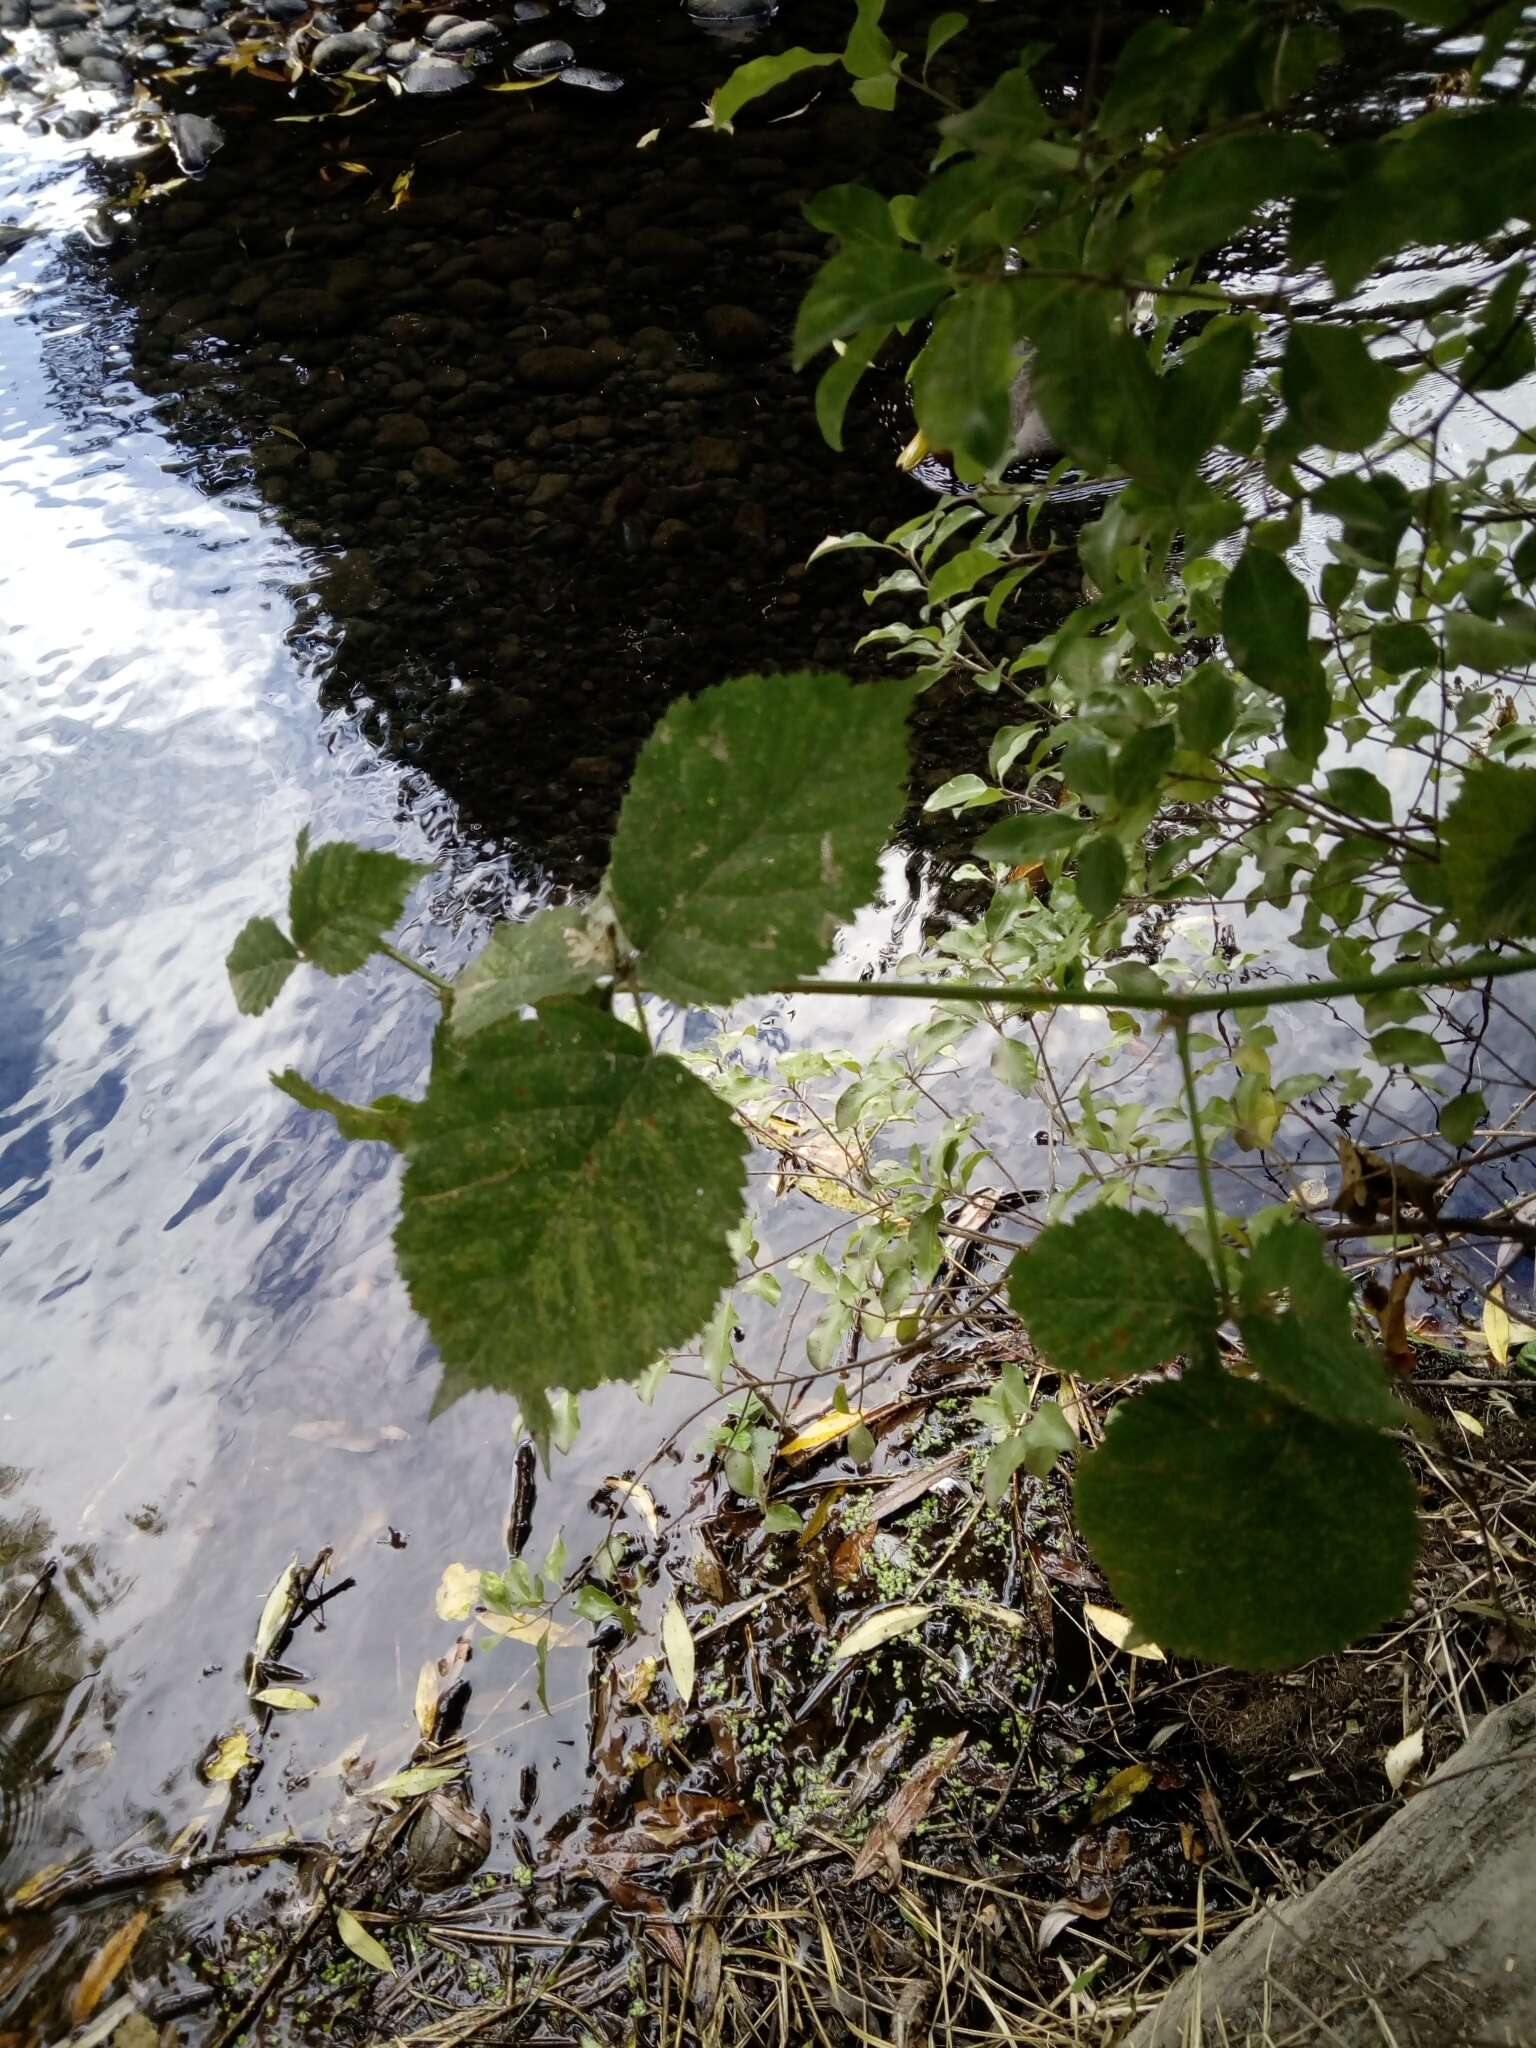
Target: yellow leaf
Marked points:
531	1628
457	1593
1116	1795
1403	1758
826	1429
878	1629
31	1886
1496	1325
401	188
361	170
426	1698
230	1757
677	1641
286	1697
832	1194
274	1613
362	1943
640	1498
1120	1630
415	1779
1468	1422
109	1960
524	84
651	135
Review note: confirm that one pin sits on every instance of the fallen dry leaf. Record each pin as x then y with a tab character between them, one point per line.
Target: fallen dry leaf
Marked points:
108	1962
1403	1759
1116	1794
908	1807
826	1429
1120	1630
457	1592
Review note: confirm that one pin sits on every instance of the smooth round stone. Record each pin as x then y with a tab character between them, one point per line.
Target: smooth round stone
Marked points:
195	140
589	10
341	52
539	59
465	35
434	74
584	76
529	10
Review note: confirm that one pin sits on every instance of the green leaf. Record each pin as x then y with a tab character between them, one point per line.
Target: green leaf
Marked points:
1359	792
1337	392
962	791
596	1606
1113	1293
343	900
1491	645
565	1204
960	382
1298	1329
551	954
762	75
753	828
1501	349
1101	874
855	213
1265	615
869	49
837	384
943	29
1398	646
259	962
1460	1118
864	287
1234	1526
1207	708
1375	513
1489	852
1044	1439
1141	763
410	1783
1218	188
961	573
1399	1046
387	1119
1032	836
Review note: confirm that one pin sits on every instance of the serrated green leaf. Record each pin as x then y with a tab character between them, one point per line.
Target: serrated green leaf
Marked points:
551	954
1336	391
1112	1293
1460	1118
343	900
386	1119
1489	852
1237	1527
761	75
753	828
1298	1330
553	1170
259	962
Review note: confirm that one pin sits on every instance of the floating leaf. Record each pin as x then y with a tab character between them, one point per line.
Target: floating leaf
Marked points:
1114	1292
826	1429
259	962
344	899
457	1591
286	1697
231	1755
412	1782
880	1628
1116	1793
362	1943
425	1705
549	955
1120	1630
752	829
638	1497
275	1610
1238	1527
109	1961
552	1171
677	1641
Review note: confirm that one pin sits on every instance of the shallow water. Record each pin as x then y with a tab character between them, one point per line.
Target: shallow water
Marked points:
208	1363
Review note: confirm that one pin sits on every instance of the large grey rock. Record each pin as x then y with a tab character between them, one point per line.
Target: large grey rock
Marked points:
341	53
1426	1937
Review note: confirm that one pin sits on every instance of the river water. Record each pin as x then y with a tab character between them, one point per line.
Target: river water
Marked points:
207	1362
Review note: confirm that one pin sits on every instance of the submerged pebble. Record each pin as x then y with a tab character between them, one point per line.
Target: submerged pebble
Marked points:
539	59
466	35
593	81
195	140
435	74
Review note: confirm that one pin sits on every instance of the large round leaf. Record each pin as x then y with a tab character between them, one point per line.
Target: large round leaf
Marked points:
1114	1292
566	1202
752	830
1238	1527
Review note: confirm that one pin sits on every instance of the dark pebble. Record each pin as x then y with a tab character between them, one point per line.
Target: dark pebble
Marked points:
341	53
466	35
561	369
